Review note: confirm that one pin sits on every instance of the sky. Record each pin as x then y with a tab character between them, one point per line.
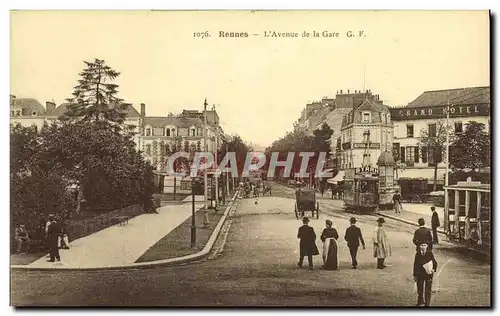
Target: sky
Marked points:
259	84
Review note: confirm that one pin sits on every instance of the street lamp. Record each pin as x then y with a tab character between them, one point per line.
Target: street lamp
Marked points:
193	218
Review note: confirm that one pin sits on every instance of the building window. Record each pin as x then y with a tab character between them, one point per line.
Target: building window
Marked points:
33	113
173	132
382	117
193	132
410	156
148	149
432	130
388	117
167	132
402	154
424	154
383	140
366	117
148	131
409	130
458	127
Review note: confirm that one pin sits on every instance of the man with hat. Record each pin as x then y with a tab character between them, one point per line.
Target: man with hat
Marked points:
353	236
381	246
308	246
434	224
424	266
422	234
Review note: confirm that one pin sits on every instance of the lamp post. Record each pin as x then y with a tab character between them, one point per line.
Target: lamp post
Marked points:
206	221
193	218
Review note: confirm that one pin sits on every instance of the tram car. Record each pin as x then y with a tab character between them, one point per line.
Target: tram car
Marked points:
362	194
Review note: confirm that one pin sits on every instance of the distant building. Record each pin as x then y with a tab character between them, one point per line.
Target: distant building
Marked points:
366	132
426	113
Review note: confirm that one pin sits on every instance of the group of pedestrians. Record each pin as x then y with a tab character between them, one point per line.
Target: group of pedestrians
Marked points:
56	237
424	265
329	237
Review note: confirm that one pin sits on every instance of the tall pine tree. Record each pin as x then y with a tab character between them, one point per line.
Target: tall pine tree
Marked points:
95	96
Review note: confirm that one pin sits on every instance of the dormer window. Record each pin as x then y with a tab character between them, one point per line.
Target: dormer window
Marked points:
383	118
388	117
366	117
148	131
193	132
167	132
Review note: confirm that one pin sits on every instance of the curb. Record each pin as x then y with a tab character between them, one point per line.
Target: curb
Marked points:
151	264
440	231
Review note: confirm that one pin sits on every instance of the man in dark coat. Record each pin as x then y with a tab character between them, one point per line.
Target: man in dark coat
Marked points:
353	236
434	224
308	246
53	233
422	235
424	267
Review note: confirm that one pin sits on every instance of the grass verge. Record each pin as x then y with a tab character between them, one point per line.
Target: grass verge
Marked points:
178	242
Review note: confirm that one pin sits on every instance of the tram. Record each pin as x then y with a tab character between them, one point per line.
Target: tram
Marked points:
362	192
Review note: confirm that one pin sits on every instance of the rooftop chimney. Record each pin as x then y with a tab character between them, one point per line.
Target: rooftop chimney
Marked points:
49	106
340	91
347	91
143	109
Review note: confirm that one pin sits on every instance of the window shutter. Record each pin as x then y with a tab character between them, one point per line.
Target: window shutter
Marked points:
416	154
402	154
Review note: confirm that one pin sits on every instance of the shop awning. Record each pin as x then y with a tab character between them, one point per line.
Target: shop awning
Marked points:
338	178
425	173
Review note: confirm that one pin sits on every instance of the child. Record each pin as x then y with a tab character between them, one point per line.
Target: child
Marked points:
424	267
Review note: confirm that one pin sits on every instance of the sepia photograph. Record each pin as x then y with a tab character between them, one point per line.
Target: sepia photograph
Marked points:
250	158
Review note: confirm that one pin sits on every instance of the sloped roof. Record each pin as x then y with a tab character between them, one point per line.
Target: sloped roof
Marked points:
28	105
367	105
63	108
175	121
461	96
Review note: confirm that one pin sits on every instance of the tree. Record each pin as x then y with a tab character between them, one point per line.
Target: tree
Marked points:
23	142
436	146
471	149
96	157
95	96
237	145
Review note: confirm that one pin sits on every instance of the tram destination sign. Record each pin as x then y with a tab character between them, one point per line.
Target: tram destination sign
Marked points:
429	112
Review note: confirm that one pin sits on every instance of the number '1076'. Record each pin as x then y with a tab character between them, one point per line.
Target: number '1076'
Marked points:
201	34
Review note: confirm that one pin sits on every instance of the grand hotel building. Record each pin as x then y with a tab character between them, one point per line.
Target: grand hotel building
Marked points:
426	113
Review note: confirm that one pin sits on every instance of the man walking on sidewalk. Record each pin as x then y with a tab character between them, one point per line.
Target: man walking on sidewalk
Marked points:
435	224
353	236
53	233
422	235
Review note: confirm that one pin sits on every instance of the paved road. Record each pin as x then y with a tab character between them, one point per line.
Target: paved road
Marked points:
258	267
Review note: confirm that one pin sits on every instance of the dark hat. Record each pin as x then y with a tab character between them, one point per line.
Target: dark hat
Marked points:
352	220
329	222
305	220
381	220
421	221
432	208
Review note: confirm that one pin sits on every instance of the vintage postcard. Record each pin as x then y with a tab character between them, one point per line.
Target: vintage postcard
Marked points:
250	158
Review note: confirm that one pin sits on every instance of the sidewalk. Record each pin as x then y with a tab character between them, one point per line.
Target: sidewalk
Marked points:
120	245
413	211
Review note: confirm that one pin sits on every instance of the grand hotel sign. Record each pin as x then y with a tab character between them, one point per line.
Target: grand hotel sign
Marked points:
439	111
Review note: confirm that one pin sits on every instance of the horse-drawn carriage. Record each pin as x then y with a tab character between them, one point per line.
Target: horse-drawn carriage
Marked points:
305	201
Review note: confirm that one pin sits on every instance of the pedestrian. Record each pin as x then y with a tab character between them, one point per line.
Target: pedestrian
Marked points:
381	246
330	247
308	246
435	224
353	236
422	234
396	199
424	267
22	239
53	233
63	241
50	219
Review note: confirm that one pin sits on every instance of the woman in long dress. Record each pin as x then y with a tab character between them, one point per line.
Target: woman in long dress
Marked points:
329	238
